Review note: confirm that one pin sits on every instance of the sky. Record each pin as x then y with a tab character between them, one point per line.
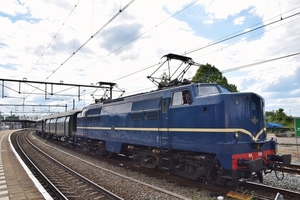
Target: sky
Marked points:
254	43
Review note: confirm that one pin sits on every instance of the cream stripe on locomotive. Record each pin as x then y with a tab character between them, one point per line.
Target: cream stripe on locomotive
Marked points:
228	130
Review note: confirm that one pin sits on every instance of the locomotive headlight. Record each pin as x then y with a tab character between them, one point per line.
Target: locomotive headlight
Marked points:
238	135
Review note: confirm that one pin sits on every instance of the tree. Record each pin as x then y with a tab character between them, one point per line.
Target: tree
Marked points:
210	74
279	116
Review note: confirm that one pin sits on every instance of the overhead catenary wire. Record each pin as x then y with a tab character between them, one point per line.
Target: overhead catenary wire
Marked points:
245	39
140	35
225	71
54	37
211	44
146	67
186	52
91	37
259	63
184	8
243	33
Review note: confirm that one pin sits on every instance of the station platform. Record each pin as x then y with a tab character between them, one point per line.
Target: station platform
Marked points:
16	180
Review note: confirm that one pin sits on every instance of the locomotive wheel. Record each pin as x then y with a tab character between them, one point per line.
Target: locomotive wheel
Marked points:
187	171
148	161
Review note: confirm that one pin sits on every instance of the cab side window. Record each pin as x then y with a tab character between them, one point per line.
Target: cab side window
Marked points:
186	97
177	99
181	98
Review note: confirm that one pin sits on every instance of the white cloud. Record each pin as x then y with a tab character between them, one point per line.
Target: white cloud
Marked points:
239	20
221	10
12	7
209	21
25	52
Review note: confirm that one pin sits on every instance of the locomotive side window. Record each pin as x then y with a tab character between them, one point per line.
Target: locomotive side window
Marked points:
177	99
146	104
207	89
181	98
93	112
186	97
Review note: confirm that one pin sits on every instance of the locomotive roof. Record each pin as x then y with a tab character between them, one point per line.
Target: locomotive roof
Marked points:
152	94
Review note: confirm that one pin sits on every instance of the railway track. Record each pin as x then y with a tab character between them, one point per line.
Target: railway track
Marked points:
292	169
64	182
264	192
183	182
247	191
115	178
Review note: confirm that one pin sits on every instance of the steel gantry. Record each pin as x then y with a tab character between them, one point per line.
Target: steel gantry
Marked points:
49	87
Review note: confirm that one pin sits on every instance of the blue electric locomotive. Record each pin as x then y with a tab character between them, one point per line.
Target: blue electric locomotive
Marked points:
195	130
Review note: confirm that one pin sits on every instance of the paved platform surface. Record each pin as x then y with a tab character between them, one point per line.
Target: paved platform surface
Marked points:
16	182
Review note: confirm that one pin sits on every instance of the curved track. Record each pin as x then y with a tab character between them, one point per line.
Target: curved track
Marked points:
171	178
130	188
64	182
253	190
